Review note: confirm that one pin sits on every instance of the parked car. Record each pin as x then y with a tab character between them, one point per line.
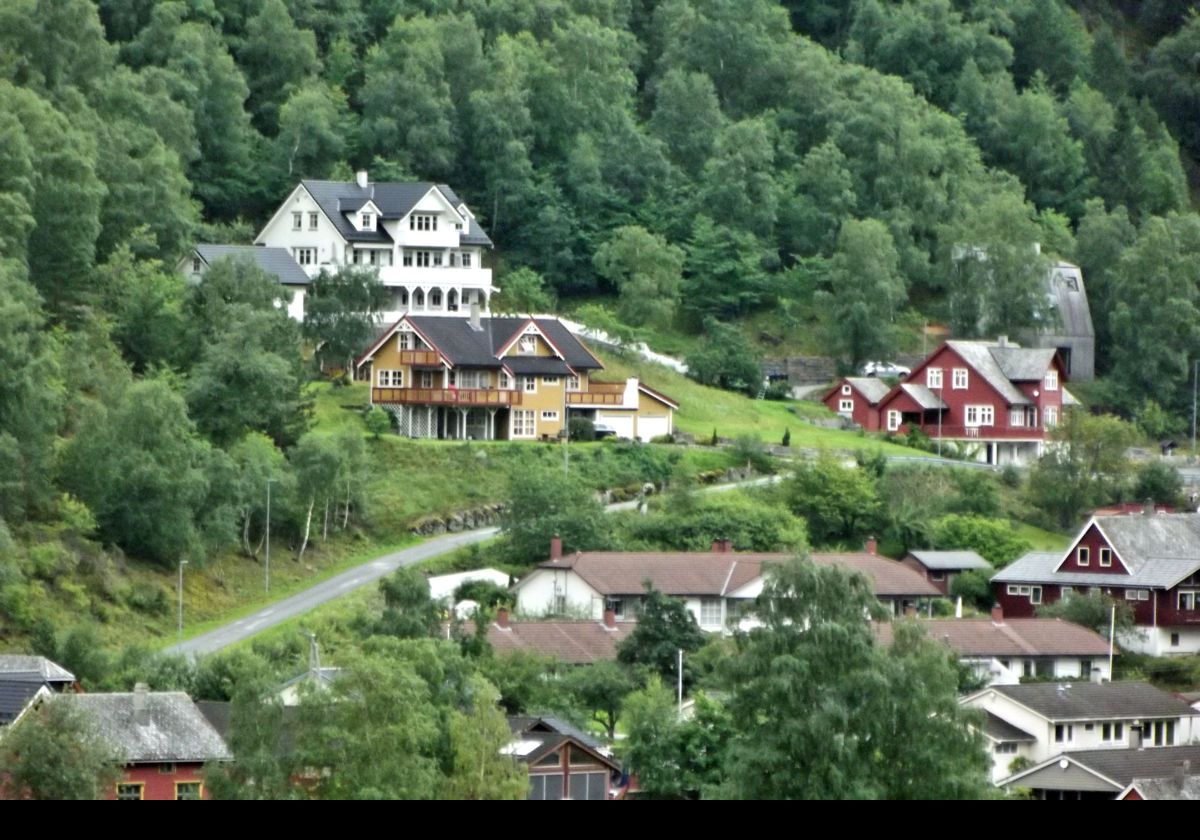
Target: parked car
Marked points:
884	369
603	431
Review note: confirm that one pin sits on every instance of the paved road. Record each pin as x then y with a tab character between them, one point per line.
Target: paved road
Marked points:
360	576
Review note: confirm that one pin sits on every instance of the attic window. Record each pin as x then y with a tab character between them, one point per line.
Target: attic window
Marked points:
366	221
195	264
527	346
1072	284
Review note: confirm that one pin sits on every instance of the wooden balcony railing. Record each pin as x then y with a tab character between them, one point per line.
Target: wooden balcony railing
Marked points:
446	396
595	398
985	432
419	357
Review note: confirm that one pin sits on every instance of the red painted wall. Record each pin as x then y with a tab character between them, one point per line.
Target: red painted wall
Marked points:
158	785
1169	614
1093	540
942	585
864	414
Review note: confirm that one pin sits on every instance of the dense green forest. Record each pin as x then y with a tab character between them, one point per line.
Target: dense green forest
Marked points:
692	164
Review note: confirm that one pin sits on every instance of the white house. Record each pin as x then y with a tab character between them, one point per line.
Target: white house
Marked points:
277	262
1037	721
421	238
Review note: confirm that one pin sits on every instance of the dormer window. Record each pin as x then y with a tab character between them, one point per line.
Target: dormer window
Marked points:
527	346
366	221
422	221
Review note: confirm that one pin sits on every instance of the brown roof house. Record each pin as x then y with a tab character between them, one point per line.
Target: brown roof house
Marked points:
716	585
570	641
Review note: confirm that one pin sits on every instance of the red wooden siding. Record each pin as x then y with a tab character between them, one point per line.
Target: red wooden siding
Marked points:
864	414
1093	540
158	785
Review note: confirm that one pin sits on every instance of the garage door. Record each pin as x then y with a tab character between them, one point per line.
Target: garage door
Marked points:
652	426
622	423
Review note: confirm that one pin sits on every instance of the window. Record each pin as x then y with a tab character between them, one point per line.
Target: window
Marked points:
435	299
551	381
933	378
1035	594
1016	418
1052	380
1064	733
306	256
1189	600
1112	732
1137	594
418	299
846	390
426	379
420	258
549	416
893	421
437	259
128	792
1006	748
422	221
527	345
588	786
366	221
166	768
1174	640
407	340
1160	733
1106	557
466	260
938	576
554	759
195	264
188	791
391	379
1013	589
1083	556
1085	668
710	612
406	258
545	786
528	384
312	221
960	379
523	424
452	300
1065	592
846	406
297	221
572	383
1050	416
980	415
506	381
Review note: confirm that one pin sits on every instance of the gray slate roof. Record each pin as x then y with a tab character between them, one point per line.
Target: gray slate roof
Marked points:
1040	566
950	560
999	729
1170	788
922	395
871	387
274	261
1091	701
1022	364
173	729
39	668
978	354
15	695
394	201
1123	766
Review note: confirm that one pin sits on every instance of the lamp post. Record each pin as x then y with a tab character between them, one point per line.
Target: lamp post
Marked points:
182	563
267	564
939	396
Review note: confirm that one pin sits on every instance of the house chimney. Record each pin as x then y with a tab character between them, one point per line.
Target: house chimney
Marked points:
141	711
1097	675
502	618
997	614
722	546
361	177
556	547
871	546
475	316
610	618
1002	341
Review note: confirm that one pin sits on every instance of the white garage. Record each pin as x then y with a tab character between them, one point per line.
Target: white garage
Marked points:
621	423
650	426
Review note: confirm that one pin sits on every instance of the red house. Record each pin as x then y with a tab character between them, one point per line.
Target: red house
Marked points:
857	398
992	394
162	738
1151	560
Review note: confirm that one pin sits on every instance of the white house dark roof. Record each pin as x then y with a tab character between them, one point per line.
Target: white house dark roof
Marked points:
1092	701
999	729
949	560
394	200
1117	768
274	261
33	668
871	387
171	728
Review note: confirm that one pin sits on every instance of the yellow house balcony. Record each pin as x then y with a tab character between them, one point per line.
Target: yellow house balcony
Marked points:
598	393
482	397
421	358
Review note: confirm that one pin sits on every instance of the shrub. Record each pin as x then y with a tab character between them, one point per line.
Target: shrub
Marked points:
581	429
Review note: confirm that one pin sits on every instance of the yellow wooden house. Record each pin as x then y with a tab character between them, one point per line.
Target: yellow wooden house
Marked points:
511	378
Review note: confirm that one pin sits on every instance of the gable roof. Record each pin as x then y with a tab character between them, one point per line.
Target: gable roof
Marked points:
1117	768
978	355
998	729
950	559
921	395
1024	364
16	696
657	395
1042	567
1140	539
172	729
36	668
1173	787
1092	701
395	200
871	387
1011	637
536	737
274	261
717	574
571	642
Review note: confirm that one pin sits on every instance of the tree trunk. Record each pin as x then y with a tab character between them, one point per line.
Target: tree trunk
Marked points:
307	525
246	534
346	515
325	527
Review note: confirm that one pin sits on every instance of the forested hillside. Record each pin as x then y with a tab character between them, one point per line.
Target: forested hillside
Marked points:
691	163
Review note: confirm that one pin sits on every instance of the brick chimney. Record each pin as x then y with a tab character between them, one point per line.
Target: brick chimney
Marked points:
998	614
610	619
722	546
871	547
556	547
502	618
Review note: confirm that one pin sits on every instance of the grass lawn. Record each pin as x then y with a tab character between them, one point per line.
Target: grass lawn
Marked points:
1040	539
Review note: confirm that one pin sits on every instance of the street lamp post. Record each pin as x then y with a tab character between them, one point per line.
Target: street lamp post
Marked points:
939	411
267	563
182	563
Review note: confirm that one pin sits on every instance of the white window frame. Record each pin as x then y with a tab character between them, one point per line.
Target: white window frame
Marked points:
573	384
846	405
366	221
388	378
893	420
550	381
1052	380
427	379
1035	594
933	378
298	221
527	344
980	415
506	381
523	419
1105	558
1050	416
549	416
1188	600
528	384
1110	732
305	256
1016	418
846	390
1064	733
1065	592
960	379
466	259
1083	556
707	606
